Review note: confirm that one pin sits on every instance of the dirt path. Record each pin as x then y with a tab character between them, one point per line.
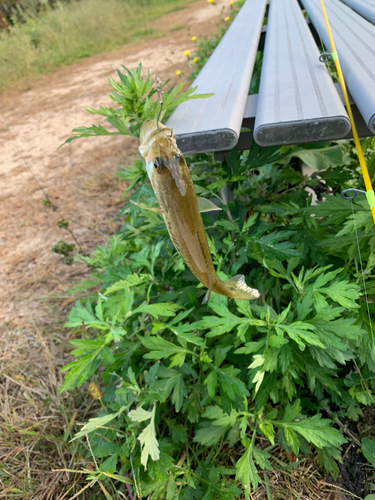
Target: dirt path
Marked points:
78	178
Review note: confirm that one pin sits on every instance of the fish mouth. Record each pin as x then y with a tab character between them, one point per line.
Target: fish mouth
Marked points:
146	130
148	127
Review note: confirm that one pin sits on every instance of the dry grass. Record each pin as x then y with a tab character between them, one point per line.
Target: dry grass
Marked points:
72	31
299	480
36	423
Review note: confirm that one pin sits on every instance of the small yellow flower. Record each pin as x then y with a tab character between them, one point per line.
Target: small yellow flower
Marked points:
187	53
210	1
231	3
196	59
226	19
193	38
178	72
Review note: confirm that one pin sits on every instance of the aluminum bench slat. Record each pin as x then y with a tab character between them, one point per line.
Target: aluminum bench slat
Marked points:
297	101
364	7
214	124
355	43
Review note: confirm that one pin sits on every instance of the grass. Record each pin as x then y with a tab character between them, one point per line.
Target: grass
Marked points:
70	32
36	423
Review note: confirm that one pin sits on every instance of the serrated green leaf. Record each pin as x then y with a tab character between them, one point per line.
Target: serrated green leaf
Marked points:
159	309
251	347
328	458
213	412
217	325
81	370
178	432
301	332
97	423
292	439
94	130
342	292
149	443
247	473
160	348
317	431
209	434
211	383
105	449
229	382
268	431
276	341
140	415
368	450
110	464
261	458
171	380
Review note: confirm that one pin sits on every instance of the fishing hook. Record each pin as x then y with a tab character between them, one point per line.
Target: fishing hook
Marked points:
355	192
161	99
325	56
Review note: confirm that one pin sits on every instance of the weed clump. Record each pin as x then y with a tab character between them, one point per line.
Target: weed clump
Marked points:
198	400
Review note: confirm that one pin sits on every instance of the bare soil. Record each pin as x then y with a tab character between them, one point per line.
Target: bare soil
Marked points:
80	178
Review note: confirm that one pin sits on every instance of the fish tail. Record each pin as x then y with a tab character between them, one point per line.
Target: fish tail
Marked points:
239	289
206	298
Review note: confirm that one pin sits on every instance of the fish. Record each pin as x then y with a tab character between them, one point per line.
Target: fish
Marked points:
181	208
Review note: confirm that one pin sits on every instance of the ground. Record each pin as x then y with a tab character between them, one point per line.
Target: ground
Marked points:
79	179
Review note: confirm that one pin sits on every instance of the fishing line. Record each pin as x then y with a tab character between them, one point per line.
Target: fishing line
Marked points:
356	140
156	78
149	37
362	271
317	27
33	175
369	190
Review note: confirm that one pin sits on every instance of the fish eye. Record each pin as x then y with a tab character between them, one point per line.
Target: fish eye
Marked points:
157	162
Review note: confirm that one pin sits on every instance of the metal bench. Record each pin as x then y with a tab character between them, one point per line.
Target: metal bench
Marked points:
355	43
215	123
364	7
297	101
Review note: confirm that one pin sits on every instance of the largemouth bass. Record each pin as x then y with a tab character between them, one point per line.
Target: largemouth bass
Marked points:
174	190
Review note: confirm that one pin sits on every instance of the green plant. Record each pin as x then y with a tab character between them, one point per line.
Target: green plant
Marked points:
134	96
65	249
196	398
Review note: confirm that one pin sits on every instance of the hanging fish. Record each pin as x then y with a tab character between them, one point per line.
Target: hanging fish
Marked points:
171	181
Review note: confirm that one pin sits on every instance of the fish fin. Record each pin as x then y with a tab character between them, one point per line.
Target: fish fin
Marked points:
145	207
205	205
206	298
239	288
175	163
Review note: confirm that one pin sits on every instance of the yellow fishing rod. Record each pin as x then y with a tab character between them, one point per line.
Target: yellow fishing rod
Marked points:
369	190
